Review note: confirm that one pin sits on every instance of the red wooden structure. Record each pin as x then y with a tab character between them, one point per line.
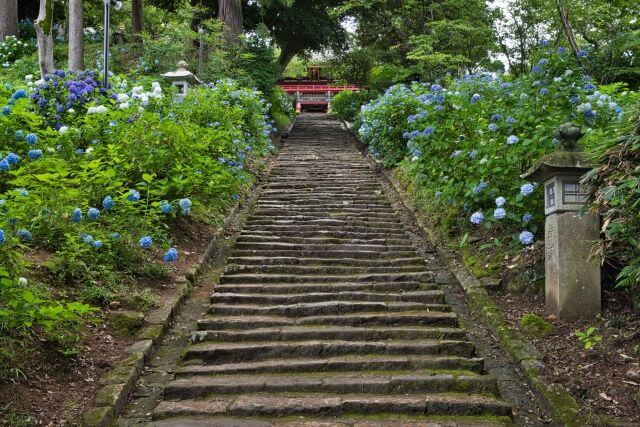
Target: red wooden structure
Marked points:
314	92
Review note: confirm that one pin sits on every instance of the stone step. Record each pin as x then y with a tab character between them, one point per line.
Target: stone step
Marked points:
334	405
415	261
321	308
338	254
319	269
298	333
407	318
328	223
328	240
432	297
334	383
254	351
325	233
320	247
340	364
347	421
354	278
319	228
326	287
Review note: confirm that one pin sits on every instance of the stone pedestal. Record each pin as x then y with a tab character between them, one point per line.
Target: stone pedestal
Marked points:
572	280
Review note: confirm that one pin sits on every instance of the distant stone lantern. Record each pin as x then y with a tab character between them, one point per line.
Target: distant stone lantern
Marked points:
182	78
572	276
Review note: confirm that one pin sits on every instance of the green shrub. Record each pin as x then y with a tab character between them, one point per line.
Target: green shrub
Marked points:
346	104
616	198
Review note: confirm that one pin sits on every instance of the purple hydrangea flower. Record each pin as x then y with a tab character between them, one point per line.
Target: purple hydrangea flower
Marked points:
526	238
477	218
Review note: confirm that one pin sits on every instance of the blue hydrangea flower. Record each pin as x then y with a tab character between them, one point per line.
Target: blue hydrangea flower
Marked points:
527	218
31	138
589	87
114	236
526	189
473	154
34	154
134	195
24	235
526	238
477	218
493	127
513	140
543	62
582	53
108	203
20	93
13	158
23	192
500	201
455	154
544	42
93	214
535	69
146	242
185	205
510	120
6	110
478	188
97	244
171	255
19	134
428	131
4	165
499	213
77	215
166	207
496	117
86	238
2	239
544	91
475	97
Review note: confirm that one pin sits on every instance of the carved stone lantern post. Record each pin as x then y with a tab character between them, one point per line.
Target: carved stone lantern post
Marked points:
572	276
182	78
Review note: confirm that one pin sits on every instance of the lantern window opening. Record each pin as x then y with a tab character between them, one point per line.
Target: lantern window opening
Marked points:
573	193
551	195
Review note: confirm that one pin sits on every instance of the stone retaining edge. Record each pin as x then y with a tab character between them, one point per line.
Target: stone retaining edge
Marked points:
560	403
111	399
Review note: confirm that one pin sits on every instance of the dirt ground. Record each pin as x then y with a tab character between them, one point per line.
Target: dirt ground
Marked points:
604	379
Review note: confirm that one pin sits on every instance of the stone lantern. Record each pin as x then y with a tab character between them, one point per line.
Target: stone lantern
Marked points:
182	78
572	276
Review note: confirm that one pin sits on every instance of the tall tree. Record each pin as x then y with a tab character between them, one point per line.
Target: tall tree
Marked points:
230	13
76	35
44	34
136	19
8	18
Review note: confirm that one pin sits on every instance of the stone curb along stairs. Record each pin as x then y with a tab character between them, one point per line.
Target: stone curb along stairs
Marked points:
326	312
560	403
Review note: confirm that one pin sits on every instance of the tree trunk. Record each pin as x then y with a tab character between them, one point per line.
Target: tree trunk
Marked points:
76	35
136	19
284	59
44	27
566	26
8	18
230	13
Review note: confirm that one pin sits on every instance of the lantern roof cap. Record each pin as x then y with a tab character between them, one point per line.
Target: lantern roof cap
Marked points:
567	159
182	73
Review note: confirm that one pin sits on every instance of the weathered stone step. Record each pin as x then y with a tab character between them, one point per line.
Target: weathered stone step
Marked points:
331	421
322	195
433	297
408	318
335	405
321	308
327	223
253	238
319	228
337	254
253	351
391	247
415	261
293	278
340	364
319	269
326	287
327	214
334	383
299	333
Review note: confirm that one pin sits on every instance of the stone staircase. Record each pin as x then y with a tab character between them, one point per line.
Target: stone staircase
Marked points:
326	314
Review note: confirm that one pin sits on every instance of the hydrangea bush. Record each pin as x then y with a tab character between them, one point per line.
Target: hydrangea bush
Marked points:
466	145
88	172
